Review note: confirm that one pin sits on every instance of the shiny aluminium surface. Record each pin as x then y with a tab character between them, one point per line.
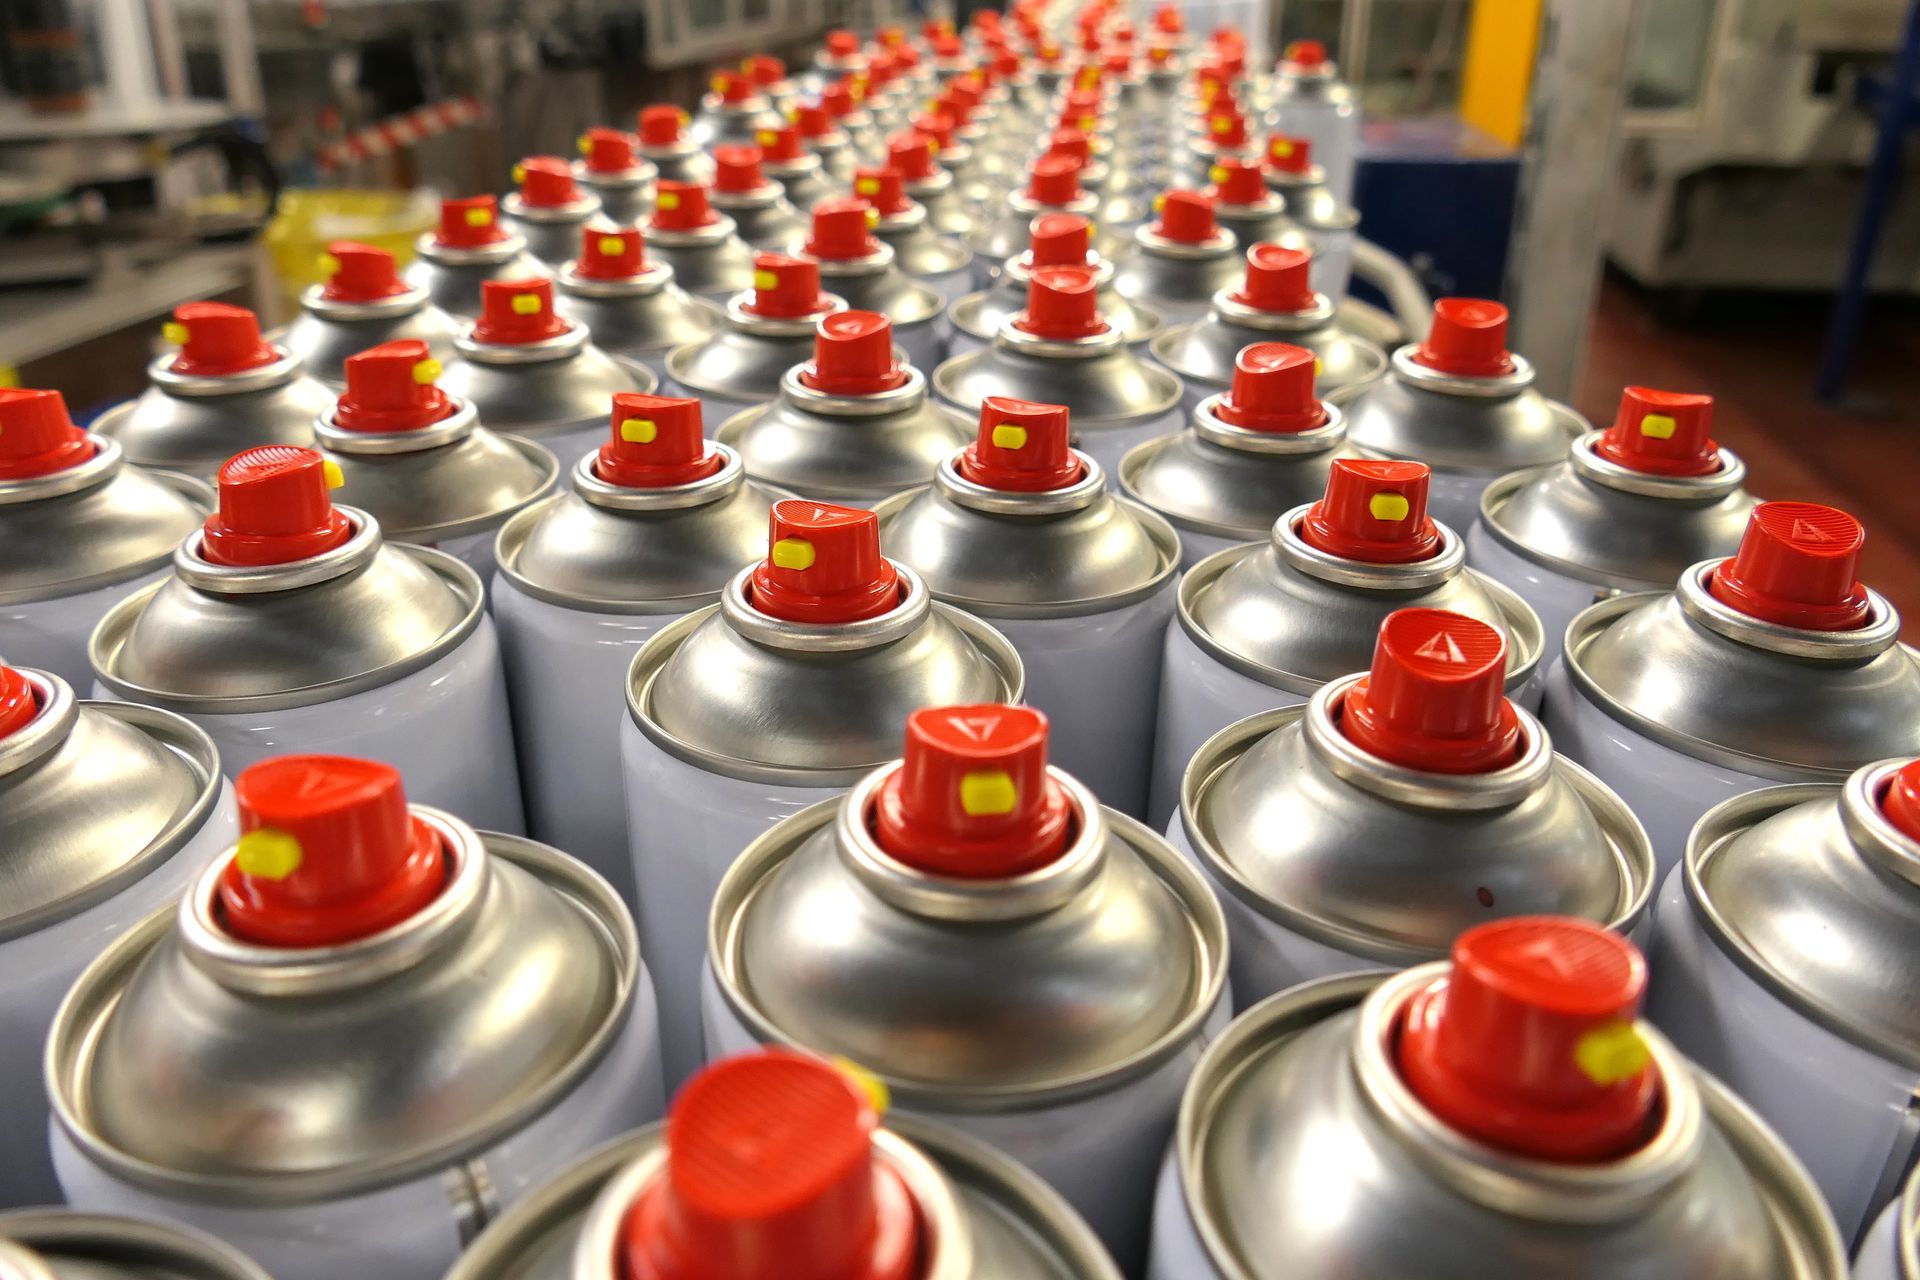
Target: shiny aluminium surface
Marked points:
764	218
61	1244
558	391
1891	1250
626	195
875	284
552	232
327	331
643	317
1202	351
193	423
979	316
708	262
744	360
1176	279
924	254
452	276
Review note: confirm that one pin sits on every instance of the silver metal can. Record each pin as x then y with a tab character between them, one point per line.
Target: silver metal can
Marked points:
418	461
1266	624
1055	240
628	302
360	1033
1321	1137
60	1244
1020	529
1244	205
1320	216
785	693
1053	187
1309	102
529	371
784	158
664	145
550	208
468	248
827	141
853	425
653	525
1177	263
81	529
731	112
1464	405
762	215
289	624
702	245
1775	665
766	329
226	389
926	255
1824	1046
107	810
930	186
611	166
362	303
1397	809
857	266
1008	957
1891	1250
1630	509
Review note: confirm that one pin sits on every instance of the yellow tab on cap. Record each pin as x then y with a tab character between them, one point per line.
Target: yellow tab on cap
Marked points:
1087	123
684	117
933	145
638	430
868	1083
766	137
1221	124
1317	370
867	186
267	853
526	304
793	553
425	371
765	280
612	246
987	792
1281	148
479	217
1659	426
584	143
1610	1054
873	217
1388	506
1217	174
1159	203
335	477
667	200
519	173
718	84
329	265
1008	436
746	66
175	332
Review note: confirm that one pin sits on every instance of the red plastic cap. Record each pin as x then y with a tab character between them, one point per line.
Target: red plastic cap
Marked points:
771	1175
217	339
274	508
837	99
1272	390
1529	1043
1237	180
516	312
733	87
1278	279
1071	142
1901	804
812	120
785	288
912	154
737	169
1226	127
853	355
1468	339
37	437
1374	512
681	206
360	273
1306	53
18	702
608	150
1055	181
1797	565
972	799
546	182
937	125
1186	217
884	189
1022	447
660	125
610	253
1169	19
1433	699
765	69
1662	433
391	388
657	441
469	223
1289	155
842	43
1062	305
328	853
781	145
842	230
824	565
1059	240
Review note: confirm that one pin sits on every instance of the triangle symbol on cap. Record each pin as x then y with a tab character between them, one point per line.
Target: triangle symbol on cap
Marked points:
979	728
1441	648
1805	531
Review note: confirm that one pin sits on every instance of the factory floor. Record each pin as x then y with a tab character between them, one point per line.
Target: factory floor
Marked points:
1756	355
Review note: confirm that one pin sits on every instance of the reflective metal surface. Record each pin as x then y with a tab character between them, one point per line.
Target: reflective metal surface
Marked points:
982	314
919	250
1173	276
62	1244
1203	352
626	196
1099	379
1480	425
193	424
543	389
452	277
746	358
712	261
876	283
765	219
326	332
552	233
645	316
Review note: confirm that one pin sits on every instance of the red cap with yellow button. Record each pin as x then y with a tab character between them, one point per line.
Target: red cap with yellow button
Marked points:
1059	240
608	150
1901	803
1798	566
1023	447
610	253
1054	181
469	223
1185	217
785	288
660	125
657	442
885	189
546	182
359	273
937	125
733	87
1434	697
1272	390
1468	339
1289	155
853	355
765	69
1373	511
1072	143
1528	1043
391	388
972	798
912	154
329	853
1238	180
517	312
779	145
37	437
1062	305
274	508
1662	433
842	230
1305	53
812	120
18	702
736	170
681	206
1278	280
217	340
823	565
1226	128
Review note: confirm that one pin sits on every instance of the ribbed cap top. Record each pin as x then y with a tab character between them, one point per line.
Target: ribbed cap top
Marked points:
732	87
1434	697
853	355
1226	128
1272	390
1797	566
358	272
1374	512
469	222
1468	339
913	155
517	312
274	508
784	287
217	340
611	253
681	206
656	442
781	145
1662	433
391	387
608	150
37	437
1237	180
1022	446
1054	180
843	230
546	182
1059	240
824	565
1062	304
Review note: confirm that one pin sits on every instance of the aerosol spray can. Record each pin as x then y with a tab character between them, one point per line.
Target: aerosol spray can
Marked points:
1021	529
1310	103
549	209
768	328
1055	240
784	158
60	1244
364	1029
786	693
700	244
226	389
629	301
1395	810
532	372
839	55
1275	302
654	524
1243	204
1460	402
1824	1046
81	529
731	111
107	811
1053	186
1266	624
1503	1115
1891	1250
734	1187
916	156
1220	133
853	425
1248	456
468	248
1773	665
1059	350
860	268
290	624
769	75
419	461
1176	264
1630	509
362	303
611	166
1119	210
1007	957
1328	224
665	145
857	123
921	252
762	215
826	140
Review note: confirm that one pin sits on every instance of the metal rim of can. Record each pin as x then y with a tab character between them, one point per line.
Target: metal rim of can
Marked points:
848	268
314	301
1499	386
535	453
89	1002
561	346
1018	273
172	1248
617	180
1209	426
493	254
1020	345
1219	245
456	426
1586	460
284	369
907	396
512	205
1908	1243
638	374
747	322
654	278
768	195
711	236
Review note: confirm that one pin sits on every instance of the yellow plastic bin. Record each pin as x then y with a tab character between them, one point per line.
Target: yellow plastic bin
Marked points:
309	219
